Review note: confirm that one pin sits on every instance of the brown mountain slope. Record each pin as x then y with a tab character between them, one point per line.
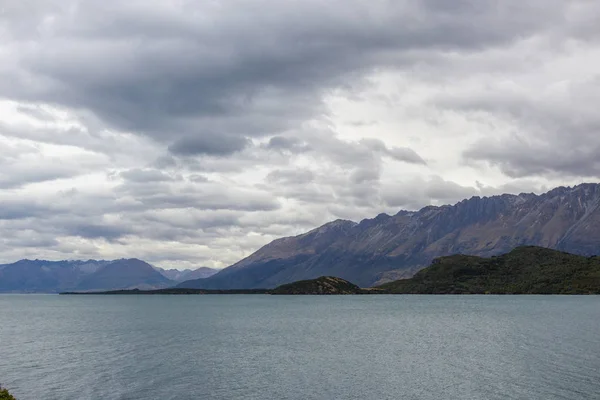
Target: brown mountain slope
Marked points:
391	247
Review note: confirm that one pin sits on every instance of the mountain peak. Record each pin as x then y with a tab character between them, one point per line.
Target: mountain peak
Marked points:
337	224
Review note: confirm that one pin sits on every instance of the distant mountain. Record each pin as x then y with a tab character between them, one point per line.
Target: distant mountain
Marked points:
387	247
173	274
125	274
199	273
45	276
525	270
187	274
40	276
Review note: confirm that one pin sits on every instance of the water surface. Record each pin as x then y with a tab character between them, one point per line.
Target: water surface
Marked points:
300	347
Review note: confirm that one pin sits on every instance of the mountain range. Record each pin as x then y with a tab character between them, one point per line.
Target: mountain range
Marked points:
41	276
524	270
391	247
187	274
367	253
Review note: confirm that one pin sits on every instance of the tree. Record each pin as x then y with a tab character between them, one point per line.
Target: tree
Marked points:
4	395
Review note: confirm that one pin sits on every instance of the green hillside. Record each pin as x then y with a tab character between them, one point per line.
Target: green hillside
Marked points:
525	270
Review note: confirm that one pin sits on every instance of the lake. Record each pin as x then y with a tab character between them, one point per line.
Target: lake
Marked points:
300	347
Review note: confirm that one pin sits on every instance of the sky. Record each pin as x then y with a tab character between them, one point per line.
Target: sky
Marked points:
191	133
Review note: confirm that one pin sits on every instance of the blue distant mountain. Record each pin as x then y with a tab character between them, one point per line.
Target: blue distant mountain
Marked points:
41	276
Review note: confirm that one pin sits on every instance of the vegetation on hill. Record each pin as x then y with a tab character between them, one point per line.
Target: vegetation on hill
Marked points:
322	285
525	270
4	395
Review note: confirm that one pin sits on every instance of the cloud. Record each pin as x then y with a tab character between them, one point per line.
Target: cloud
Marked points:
164	71
23	165
94	231
412	195
292	144
291	177
397	153
14	210
535	129
209	144
145	175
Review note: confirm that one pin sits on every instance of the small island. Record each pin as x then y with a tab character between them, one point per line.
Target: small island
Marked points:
323	285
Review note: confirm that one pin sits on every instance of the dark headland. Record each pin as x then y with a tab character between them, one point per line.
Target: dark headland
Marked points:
525	270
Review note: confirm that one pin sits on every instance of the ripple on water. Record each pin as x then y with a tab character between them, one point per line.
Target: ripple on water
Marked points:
262	347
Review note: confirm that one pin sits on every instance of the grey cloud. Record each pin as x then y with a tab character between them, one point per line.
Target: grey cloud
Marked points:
180	225
198	195
556	133
17	178
397	153
198	178
365	175
362	123
307	194
95	231
20	165
209	144
88	134
516	186
399	197
161	72
21	209
290	177
405	154
34	243
194	220
23	164
517	159
35	111
280	142
292	144
146	175
416	193
447	191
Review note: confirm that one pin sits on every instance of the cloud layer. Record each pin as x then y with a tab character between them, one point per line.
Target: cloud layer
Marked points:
190	133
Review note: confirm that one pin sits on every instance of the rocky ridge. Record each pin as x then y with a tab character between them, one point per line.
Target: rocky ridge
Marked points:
386	248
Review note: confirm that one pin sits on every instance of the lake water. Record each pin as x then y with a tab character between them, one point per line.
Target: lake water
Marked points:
300	347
